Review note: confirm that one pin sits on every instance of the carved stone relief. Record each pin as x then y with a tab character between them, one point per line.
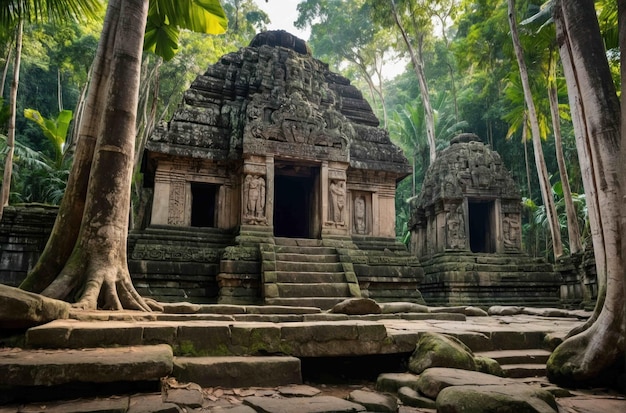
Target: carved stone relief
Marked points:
176	212
254	200
360	215
511	231
337	192
455	223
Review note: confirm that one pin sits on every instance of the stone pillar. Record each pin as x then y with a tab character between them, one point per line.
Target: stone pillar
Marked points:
160	199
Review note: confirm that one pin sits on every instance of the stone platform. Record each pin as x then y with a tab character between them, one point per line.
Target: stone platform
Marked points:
234	347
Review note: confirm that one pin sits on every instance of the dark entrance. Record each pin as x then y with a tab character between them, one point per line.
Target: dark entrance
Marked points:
481	231
293	204
203	198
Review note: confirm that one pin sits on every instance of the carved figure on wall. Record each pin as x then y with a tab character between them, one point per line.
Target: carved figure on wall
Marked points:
510	231
254	200
337	200
360	222
456	228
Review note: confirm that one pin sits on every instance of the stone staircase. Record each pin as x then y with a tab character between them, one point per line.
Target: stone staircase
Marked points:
520	363
304	272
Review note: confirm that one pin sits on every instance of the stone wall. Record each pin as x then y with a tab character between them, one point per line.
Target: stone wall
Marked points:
24	231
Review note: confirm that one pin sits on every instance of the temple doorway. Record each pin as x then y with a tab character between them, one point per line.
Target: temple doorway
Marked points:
295	200
203	199
481	226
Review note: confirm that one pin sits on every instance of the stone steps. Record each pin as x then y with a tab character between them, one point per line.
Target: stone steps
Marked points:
320	258
313	289
522	363
305	267
304	272
311	277
320	302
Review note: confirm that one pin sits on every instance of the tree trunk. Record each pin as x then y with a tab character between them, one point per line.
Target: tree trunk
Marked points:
540	163
418	65
96	274
68	221
596	352
8	162
573	231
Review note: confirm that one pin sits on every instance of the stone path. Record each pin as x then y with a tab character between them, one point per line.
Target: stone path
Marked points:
247	359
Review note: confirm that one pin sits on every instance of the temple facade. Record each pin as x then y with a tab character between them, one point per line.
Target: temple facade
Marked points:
270	145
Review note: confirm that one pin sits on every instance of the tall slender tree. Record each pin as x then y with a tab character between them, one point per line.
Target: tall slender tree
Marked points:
540	163
85	258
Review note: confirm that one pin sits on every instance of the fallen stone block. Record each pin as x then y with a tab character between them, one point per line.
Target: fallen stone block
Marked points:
391	382
519	398
151	403
409	397
374	402
23	309
433	380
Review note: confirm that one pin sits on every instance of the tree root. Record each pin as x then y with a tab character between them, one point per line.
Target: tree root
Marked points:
595	354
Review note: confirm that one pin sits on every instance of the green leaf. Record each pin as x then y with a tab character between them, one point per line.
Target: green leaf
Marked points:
167	17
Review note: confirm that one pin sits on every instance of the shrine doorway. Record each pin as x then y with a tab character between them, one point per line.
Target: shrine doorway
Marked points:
296	197
482	226
203	200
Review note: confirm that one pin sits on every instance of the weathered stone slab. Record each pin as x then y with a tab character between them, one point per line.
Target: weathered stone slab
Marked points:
504	310
409	397
433	380
300	390
391	382
318	404
238	371
519	398
151	403
94	365
22	309
374	402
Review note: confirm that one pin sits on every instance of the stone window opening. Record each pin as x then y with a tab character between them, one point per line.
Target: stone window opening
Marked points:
203	201
482	226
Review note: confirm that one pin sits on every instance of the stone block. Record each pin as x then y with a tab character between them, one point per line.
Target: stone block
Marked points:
255	339
238	371
203	339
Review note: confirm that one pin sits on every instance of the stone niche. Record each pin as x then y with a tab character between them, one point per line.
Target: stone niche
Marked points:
466	229
268	144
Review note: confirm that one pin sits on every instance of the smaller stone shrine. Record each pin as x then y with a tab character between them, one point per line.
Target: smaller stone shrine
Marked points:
466	230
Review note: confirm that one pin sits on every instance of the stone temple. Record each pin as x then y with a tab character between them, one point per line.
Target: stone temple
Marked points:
274	183
466	231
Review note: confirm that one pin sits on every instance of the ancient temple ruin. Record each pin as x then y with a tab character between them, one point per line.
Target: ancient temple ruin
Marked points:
279	167
466	229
